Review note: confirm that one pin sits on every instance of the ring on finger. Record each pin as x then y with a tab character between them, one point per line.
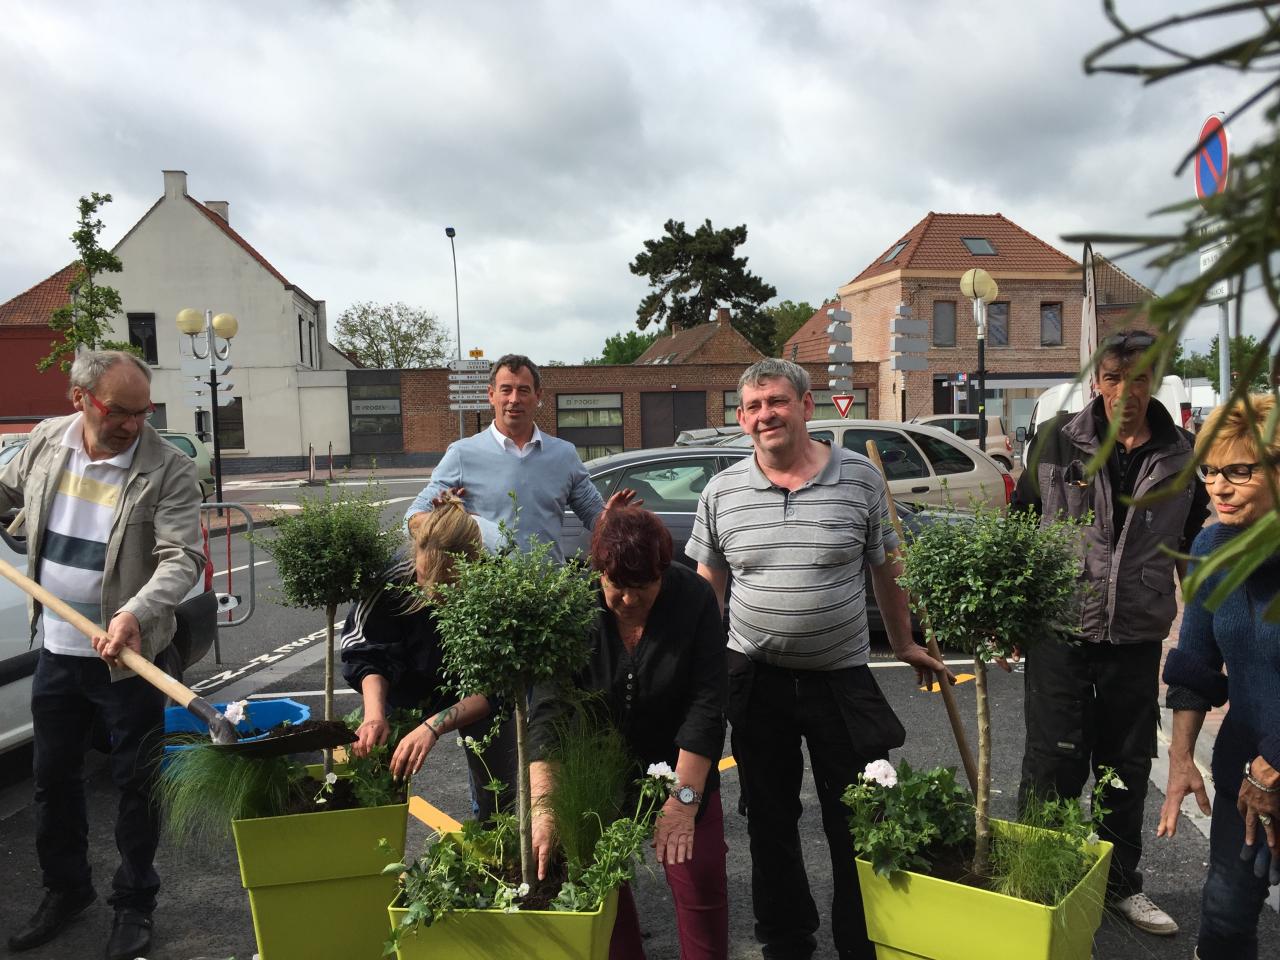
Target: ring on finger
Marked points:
1265	819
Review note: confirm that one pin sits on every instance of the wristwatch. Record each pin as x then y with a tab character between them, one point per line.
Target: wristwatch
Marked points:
686	795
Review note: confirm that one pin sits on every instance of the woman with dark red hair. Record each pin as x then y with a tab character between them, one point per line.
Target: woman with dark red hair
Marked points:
658	662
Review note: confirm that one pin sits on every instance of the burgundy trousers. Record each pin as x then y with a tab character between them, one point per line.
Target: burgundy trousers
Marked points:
699	889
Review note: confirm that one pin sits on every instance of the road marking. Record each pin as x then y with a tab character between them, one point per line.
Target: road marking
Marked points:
283	694
387	503
727	763
889	664
960	678
223	573
433	817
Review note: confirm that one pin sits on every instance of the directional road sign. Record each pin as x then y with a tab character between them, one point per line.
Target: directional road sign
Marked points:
193	367
200	387
464	407
1212	158
470	365
478	376
840	353
904	361
843	402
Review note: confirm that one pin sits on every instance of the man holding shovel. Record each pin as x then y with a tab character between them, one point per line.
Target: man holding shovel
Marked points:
113	529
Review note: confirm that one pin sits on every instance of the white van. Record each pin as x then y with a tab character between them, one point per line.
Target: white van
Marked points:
1071	398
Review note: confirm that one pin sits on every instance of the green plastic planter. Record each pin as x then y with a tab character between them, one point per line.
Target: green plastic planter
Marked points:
315	881
524	935
912	916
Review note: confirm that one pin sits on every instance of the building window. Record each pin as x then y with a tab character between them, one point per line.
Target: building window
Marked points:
592	422
824	409
311	343
979	246
160	419
306	341
944	323
1050	324
897	249
231	425
998	323
142	334
302	343
730	407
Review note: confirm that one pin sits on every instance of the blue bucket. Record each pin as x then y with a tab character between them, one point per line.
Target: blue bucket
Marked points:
258	715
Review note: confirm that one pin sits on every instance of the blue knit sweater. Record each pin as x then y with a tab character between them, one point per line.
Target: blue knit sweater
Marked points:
1234	634
546	482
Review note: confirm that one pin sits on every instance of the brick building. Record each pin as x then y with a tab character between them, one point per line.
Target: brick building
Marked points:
1033	333
27	396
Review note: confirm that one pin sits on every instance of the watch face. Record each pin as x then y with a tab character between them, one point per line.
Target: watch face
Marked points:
686	795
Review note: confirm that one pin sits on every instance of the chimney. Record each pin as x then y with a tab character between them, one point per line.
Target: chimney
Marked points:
722	316
221	208
175	184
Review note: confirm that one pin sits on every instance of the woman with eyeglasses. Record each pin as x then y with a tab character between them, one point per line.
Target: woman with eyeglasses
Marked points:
1243	477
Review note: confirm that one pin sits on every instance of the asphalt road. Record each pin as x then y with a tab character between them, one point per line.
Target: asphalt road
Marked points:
204	913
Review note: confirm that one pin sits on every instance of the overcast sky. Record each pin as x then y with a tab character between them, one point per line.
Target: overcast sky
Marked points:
556	137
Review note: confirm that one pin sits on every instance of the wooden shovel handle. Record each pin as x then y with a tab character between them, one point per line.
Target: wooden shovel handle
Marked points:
944	685
139	664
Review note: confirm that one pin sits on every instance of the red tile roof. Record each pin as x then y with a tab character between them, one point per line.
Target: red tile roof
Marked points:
244	244
935	244
678	345
809	343
1115	287
34	307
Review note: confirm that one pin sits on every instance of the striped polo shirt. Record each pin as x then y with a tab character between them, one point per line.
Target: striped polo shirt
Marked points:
797	559
73	551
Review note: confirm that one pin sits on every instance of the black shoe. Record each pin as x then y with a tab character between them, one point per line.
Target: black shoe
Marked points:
53	915
130	935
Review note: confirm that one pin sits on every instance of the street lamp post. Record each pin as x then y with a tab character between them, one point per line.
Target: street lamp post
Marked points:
224	326
978	286
457	312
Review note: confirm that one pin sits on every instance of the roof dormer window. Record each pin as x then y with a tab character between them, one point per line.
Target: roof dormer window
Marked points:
979	246
892	254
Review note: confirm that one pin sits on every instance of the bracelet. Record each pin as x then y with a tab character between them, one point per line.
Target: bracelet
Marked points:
434	732
1248	775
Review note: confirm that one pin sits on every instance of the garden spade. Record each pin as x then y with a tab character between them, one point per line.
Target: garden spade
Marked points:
221	730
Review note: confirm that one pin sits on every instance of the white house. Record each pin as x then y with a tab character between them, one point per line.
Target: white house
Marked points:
290	383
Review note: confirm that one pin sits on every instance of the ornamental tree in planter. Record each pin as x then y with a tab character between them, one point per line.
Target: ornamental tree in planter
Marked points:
988	584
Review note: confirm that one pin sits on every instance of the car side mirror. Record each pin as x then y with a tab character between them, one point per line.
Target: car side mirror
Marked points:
1020	434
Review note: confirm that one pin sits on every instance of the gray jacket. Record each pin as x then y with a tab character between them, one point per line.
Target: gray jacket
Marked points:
1127	575
154	554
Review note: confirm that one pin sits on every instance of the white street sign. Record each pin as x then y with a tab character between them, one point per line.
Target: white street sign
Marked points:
200	387
470	365
840	353
191	367
1211	255
839	316
469	398
464	407
908	327
840	369
840	331
1219	292
908	362
839	386
909	345
478	376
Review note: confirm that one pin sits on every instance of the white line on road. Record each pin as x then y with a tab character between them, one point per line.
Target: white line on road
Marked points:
281	694
223	573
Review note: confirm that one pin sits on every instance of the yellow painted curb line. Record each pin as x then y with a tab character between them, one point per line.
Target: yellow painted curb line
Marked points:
436	819
960	678
727	763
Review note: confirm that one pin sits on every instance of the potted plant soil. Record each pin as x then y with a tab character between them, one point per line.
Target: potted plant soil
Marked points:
987	584
507	623
308	836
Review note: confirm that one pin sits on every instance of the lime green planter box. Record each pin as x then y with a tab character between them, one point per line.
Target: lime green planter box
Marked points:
912	916
315	881
524	935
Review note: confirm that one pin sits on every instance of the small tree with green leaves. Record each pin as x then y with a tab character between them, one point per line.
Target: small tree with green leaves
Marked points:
329	554
508	622
87	318
991	584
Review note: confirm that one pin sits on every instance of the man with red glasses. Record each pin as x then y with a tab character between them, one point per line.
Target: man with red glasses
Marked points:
113	528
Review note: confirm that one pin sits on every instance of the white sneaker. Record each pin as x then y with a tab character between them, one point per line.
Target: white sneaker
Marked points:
1145	915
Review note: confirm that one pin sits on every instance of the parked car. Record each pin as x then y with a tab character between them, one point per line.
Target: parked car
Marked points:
17	661
1072	398
670	481
703	435
11	450
965	426
924	464
194	448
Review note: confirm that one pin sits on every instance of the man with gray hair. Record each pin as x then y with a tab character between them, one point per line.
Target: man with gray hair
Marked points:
797	523
113	529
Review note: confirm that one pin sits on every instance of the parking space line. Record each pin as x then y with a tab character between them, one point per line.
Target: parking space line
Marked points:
433	817
727	763
960	678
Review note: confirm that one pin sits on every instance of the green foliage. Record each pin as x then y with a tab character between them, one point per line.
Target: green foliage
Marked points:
1046	863
392	336
591	767
692	274
788	317
1246	41
332	550
203	788
906	820
513	620
371	779
624	347
993	581
87	318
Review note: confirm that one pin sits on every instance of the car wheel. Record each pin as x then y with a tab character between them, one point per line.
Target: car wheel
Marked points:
1007	464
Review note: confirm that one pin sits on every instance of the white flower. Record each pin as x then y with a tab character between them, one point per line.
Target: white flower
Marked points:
469	741
331	778
511	908
322	799
1117	784
522	890
459	739
882	772
662	770
1092	839
235	712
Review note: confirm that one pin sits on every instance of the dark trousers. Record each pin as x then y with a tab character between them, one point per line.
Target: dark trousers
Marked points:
1089	706
843	718
498	762
66	695
1233	895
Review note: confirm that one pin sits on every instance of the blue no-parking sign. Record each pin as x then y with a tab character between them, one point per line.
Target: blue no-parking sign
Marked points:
1212	158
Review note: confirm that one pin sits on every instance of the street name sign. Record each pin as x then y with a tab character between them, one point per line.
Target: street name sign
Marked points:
192	367
470	365
478	376
465	407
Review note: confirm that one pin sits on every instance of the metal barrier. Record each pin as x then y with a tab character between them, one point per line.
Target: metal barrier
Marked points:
229	601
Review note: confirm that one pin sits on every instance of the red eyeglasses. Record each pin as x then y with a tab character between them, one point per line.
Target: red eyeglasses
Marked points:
116	415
